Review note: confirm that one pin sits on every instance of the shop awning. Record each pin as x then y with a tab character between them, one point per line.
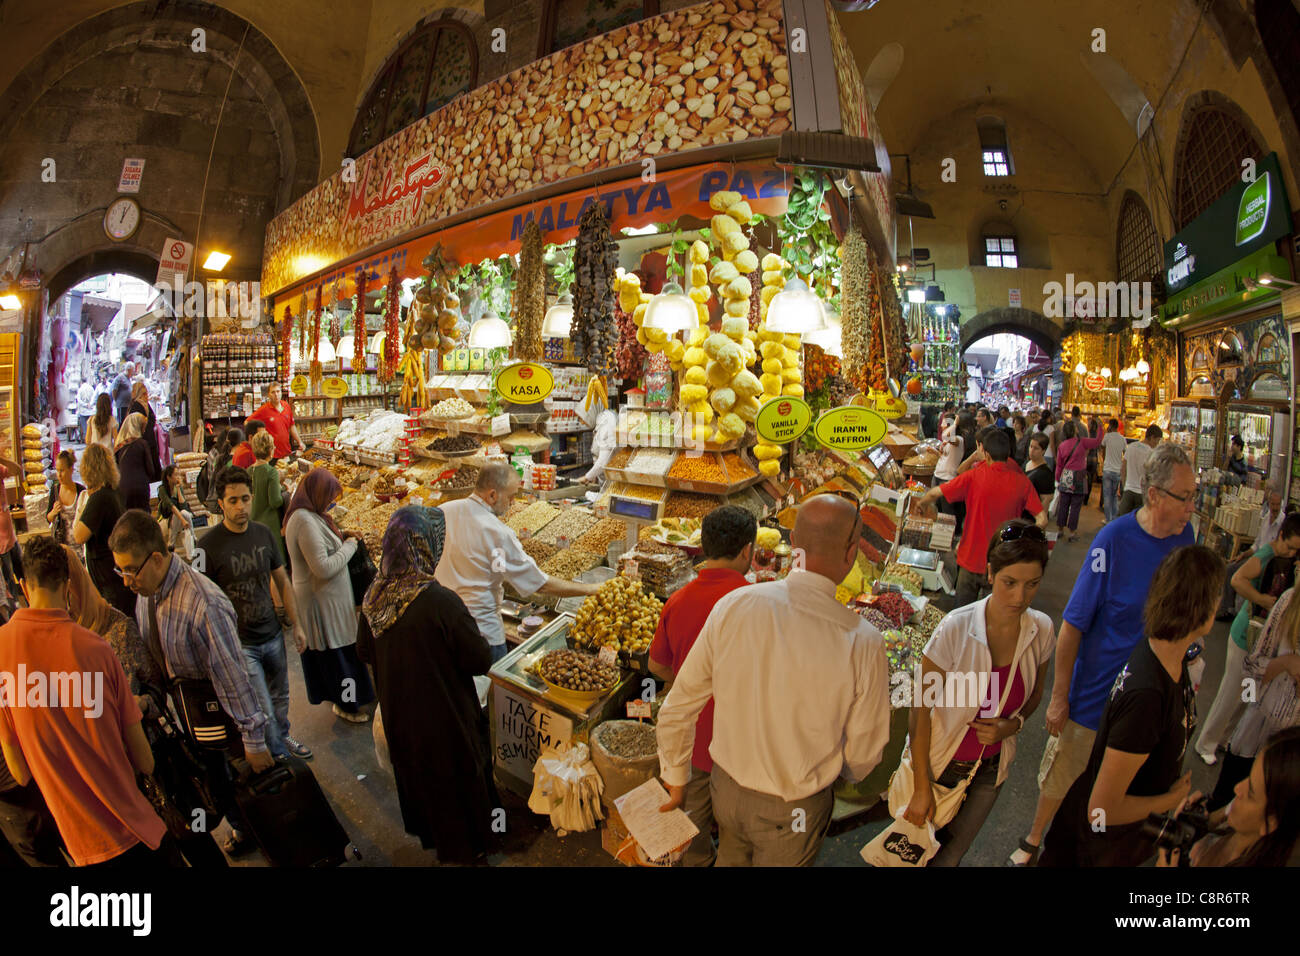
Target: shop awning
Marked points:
97	313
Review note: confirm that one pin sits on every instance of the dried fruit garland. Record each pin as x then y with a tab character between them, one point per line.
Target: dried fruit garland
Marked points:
303	316
629	359
594	334
286	339
855	282
392	333
530	296
359	326
818	367
316	372
336	321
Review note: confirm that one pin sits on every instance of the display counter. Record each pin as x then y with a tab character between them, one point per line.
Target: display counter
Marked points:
527	717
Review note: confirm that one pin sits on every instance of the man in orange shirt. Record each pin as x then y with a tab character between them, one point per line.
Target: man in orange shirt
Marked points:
727	539
68	721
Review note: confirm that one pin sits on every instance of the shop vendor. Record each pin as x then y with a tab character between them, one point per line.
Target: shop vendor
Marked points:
277	415
482	553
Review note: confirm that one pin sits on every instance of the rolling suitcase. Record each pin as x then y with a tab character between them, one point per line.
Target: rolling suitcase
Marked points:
289	817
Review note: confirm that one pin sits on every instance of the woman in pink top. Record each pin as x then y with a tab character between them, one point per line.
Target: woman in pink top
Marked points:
1072	458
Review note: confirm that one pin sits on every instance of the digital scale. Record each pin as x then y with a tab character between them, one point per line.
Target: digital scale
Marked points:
934	576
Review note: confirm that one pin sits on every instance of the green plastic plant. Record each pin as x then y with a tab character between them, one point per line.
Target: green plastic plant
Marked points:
808	243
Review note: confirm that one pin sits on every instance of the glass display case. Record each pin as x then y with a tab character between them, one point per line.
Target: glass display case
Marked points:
1193	424
1257	424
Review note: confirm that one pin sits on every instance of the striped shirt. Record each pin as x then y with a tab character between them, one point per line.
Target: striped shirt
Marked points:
200	640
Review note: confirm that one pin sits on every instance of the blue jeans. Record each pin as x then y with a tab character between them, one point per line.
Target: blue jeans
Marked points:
498	651
1110	494
82	422
268	670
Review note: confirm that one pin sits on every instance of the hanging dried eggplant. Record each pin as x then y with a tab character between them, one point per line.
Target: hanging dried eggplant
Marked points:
595	260
530	296
855	280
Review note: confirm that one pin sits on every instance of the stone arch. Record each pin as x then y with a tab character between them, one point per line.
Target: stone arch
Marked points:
1207	99
1040	330
124	261
136	25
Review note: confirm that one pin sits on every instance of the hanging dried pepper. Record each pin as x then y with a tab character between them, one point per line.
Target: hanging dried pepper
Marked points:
392	333
359	326
336	321
316	373
302	327
286	337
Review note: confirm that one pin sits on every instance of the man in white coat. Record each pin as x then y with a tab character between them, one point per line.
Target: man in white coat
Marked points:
800	687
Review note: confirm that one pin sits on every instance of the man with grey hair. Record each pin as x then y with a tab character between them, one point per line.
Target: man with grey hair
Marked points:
1103	622
482	553
800	688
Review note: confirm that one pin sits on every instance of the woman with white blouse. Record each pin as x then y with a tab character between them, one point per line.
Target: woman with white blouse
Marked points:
983	645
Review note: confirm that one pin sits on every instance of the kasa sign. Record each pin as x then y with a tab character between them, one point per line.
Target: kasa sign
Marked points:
525	384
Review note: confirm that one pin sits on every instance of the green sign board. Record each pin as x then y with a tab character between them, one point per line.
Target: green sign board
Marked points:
783	420
850	428
1225	290
1250	216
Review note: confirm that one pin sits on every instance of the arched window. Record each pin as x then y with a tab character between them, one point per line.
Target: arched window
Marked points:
1212	145
431	68
566	22
1137	247
1279	28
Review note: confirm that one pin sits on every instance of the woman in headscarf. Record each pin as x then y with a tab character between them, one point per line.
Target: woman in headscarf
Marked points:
137	465
149	431
323	591
426	649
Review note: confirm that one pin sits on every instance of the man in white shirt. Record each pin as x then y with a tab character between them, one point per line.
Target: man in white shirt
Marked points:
1134	464
85	406
800	688
1271	517
482	553
1112	450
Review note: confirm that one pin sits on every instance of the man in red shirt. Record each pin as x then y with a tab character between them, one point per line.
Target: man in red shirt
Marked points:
68	721
277	416
995	492
727	539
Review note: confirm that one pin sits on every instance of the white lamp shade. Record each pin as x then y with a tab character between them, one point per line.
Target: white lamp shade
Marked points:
376	346
489	332
1081	369
795	310
1143	367
1105	373
326	351
346	345
671	311
559	319
829	339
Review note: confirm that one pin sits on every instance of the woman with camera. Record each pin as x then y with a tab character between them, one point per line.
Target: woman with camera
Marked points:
1263	820
1272	671
1136	764
1007	646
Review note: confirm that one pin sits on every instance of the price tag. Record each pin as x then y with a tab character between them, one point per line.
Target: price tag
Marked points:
562	543
607	656
524	534
500	425
638	708
631	569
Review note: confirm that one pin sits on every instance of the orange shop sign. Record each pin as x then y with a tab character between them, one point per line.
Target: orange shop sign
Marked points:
629	203
1094	383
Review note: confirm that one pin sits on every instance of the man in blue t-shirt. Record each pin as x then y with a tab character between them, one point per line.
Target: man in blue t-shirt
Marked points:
1103	622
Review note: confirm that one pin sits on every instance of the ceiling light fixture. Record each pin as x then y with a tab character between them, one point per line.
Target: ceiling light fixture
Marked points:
216	261
559	318
794	310
489	332
671	311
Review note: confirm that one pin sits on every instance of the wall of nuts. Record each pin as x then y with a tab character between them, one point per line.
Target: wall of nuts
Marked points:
700	76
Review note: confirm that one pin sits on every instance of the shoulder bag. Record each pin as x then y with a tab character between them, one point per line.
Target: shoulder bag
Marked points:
361	571
1073	480
905	844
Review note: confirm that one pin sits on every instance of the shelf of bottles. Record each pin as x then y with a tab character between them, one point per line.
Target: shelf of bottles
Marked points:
940	366
234	368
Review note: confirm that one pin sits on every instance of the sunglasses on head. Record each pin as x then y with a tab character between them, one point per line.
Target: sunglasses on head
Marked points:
1017	531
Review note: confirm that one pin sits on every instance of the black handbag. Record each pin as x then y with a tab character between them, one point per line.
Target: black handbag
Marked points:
361	572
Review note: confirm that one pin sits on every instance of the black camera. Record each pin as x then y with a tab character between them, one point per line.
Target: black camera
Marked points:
1181	832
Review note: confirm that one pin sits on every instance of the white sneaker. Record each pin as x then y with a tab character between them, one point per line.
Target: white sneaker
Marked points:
1210	759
